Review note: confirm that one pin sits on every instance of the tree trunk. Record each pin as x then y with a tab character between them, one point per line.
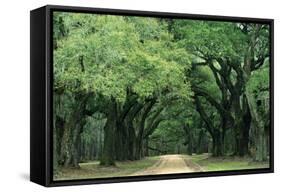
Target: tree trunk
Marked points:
72	130
55	151
217	144
259	125
242	125
58	129
66	144
108	154
132	143
141	126
76	144
200	143
146	150
119	143
189	142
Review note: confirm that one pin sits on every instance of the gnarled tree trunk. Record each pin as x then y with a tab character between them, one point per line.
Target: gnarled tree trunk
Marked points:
108	153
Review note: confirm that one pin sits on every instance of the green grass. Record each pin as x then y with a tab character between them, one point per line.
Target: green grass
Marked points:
209	163
92	169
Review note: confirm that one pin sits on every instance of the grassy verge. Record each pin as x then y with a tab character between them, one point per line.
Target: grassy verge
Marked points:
209	163
92	169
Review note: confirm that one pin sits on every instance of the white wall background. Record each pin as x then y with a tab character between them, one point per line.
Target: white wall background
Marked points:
14	94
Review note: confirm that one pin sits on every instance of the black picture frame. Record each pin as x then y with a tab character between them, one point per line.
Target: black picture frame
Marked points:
41	81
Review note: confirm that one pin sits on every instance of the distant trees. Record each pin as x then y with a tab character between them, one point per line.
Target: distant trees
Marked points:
122	82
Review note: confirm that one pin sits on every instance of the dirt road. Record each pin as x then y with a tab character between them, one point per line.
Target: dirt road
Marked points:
168	164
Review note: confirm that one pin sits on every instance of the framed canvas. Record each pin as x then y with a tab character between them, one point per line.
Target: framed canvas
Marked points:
125	95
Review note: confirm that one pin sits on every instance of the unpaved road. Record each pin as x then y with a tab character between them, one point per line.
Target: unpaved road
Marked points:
168	164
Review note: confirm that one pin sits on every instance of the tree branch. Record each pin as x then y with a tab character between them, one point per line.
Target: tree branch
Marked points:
204	116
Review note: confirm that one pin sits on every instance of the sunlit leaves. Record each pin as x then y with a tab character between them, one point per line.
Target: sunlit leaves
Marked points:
212	39
109	54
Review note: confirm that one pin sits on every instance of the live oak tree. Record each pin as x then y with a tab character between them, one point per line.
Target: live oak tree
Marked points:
232	51
121	83
113	59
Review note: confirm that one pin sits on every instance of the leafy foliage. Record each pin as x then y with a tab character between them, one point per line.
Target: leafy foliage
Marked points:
129	87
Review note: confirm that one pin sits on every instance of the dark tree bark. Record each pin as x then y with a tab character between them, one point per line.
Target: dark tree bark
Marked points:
189	139
216	133
131	145
72	129
141	127
260	129
200	143
108	155
126	115
223	105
